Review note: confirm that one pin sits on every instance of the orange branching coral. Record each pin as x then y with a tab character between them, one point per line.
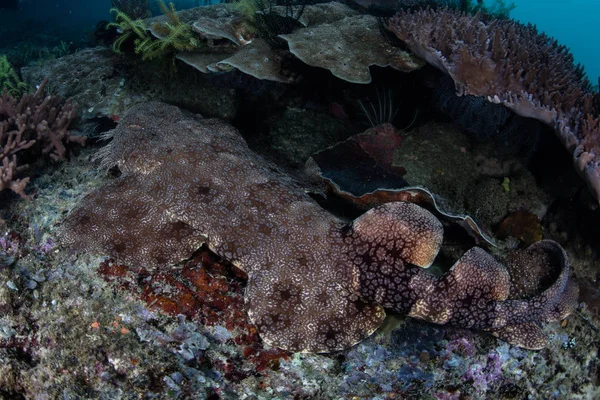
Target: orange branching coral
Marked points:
36	125
511	64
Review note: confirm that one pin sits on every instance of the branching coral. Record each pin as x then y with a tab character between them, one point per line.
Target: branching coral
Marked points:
500	58
32	126
492	8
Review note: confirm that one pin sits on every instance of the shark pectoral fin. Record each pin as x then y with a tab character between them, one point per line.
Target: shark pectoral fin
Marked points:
400	230
122	220
527	335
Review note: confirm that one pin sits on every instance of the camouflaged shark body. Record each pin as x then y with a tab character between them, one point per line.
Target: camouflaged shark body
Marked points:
315	283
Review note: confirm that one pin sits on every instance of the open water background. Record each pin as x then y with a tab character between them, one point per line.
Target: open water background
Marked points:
575	23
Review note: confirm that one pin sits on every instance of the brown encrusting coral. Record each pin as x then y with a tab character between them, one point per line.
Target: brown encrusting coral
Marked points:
511	64
30	127
315	283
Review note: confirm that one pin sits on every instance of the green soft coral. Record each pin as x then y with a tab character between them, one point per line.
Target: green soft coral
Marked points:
9	79
175	36
128	28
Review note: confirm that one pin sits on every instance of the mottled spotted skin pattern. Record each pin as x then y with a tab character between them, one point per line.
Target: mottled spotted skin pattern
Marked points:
476	293
482	280
188	181
389	244
314	283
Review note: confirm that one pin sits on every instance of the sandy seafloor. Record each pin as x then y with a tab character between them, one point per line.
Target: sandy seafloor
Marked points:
75	326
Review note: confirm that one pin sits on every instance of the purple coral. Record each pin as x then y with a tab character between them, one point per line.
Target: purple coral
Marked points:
30	127
483	376
461	345
509	63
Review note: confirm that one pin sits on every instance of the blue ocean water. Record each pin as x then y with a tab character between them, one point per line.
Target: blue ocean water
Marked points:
73	21
574	23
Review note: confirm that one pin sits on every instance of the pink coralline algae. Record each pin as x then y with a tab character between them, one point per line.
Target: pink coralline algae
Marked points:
205	290
315	282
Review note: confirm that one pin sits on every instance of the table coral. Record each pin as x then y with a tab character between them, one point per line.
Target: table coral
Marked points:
325	38
334	46
510	63
315	283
